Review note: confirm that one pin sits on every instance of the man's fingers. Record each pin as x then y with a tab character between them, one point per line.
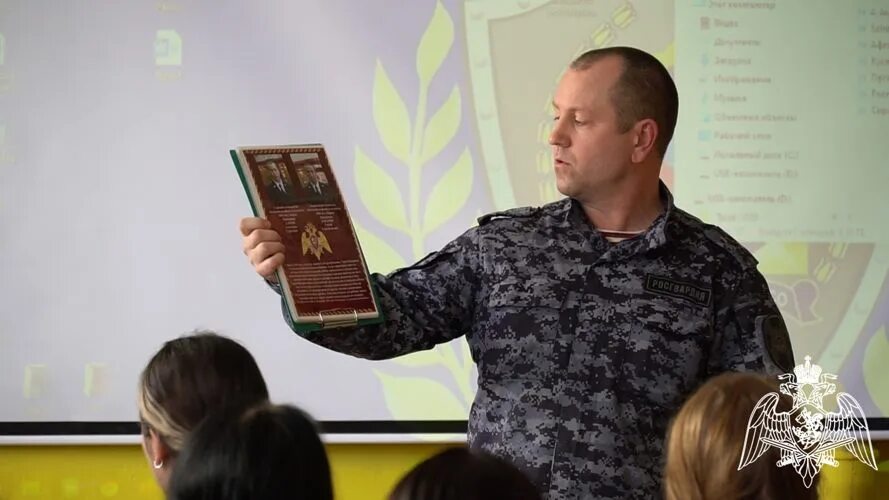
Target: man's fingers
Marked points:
250	224
268	267
258	237
262	246
265	250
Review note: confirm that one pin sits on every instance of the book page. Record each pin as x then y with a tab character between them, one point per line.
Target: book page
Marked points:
324	268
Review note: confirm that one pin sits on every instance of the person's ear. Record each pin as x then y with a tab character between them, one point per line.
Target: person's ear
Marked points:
645	135
158	451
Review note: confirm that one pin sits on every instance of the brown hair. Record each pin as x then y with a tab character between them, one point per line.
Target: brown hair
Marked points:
192	376
464	474
645	89
706	439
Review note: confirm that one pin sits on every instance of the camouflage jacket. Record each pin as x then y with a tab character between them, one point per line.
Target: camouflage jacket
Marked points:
584	348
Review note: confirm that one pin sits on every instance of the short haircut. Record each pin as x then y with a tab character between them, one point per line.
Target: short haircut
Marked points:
645	89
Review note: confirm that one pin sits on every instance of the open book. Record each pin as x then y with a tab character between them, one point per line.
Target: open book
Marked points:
324	279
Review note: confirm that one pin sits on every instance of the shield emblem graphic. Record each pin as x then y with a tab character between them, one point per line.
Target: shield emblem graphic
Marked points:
826	293
807	424
517	52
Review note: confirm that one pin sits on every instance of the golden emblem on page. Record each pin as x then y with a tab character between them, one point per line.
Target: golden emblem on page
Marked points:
314	241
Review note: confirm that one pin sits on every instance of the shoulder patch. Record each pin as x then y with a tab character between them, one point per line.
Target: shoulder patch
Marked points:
508	214
777	342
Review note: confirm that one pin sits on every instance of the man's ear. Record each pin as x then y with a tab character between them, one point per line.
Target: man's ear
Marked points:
645	134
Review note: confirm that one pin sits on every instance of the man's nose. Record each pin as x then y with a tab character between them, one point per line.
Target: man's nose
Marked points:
558	136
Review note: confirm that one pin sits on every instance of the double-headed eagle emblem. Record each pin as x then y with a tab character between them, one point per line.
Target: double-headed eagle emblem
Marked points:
807	434
314	241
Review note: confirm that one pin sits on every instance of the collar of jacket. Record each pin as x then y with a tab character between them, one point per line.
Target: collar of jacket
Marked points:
571	214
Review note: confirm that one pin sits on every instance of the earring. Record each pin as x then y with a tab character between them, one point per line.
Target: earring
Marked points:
157	464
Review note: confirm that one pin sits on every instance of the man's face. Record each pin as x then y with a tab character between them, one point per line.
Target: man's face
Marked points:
590	154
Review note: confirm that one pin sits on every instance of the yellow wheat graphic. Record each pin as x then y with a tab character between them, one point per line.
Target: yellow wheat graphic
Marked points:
414	142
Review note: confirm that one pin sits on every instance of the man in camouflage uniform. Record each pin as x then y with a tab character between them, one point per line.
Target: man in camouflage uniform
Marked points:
591	318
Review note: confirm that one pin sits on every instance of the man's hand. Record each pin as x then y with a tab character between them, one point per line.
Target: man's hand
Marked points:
262	246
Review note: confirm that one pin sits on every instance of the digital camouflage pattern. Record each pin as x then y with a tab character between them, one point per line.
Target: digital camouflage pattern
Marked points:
584	348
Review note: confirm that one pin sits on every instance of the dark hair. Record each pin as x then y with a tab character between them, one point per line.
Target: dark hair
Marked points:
645	89
192	376
264	453
464	474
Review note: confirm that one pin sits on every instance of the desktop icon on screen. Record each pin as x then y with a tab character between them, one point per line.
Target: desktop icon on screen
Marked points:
167	48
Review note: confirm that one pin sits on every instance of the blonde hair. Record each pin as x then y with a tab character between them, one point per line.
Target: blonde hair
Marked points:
191	377
154	417
706	439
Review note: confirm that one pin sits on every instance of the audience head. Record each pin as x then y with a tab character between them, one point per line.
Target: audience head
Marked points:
262	453
706	440
464	474
186	380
